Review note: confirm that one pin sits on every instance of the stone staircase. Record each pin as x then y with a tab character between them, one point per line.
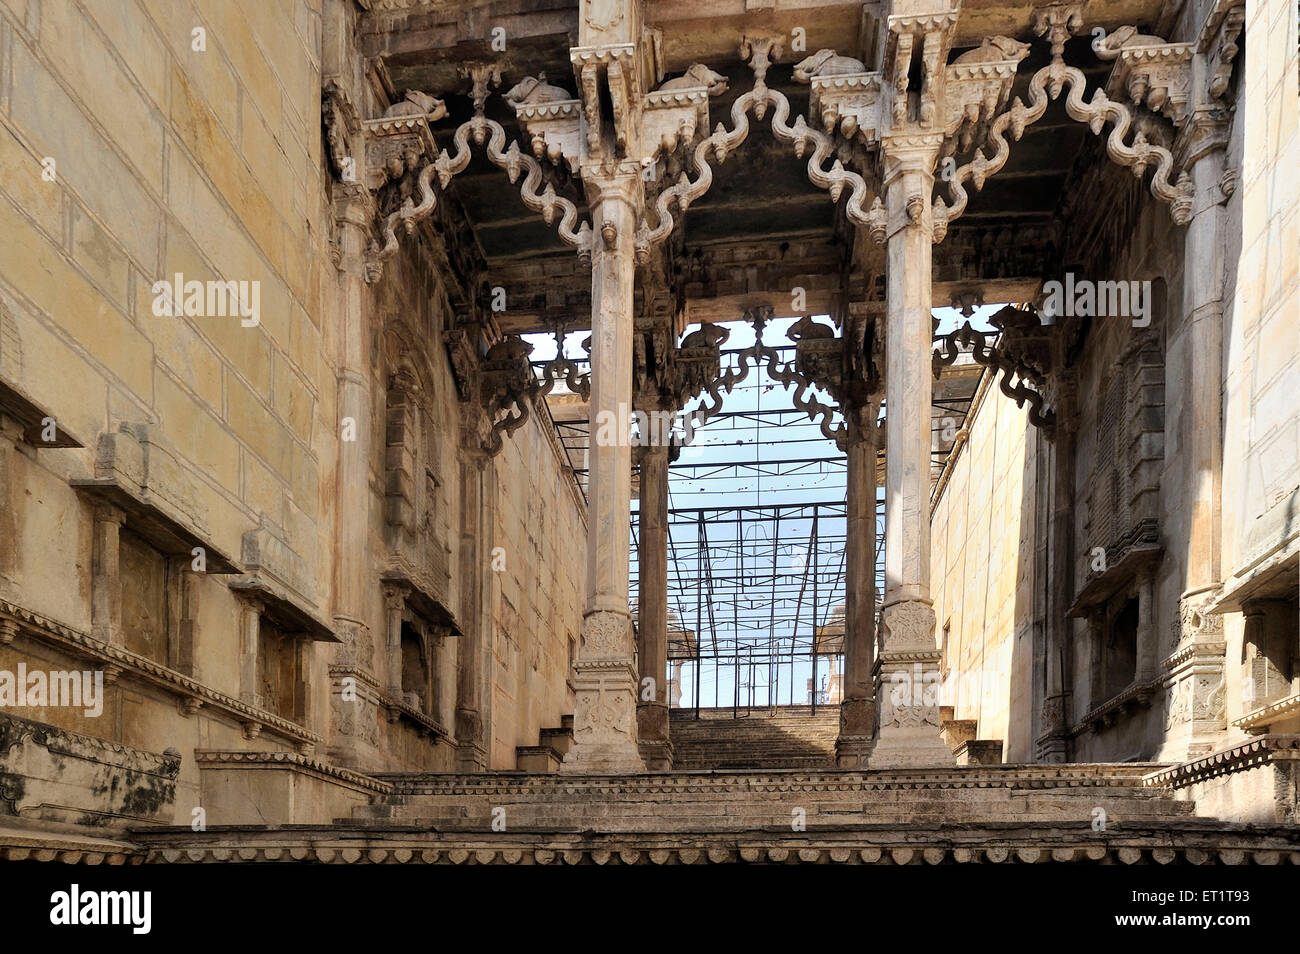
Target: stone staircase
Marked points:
788	737
548	753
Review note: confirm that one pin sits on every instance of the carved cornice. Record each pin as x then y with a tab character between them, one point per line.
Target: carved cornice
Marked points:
1256	752
1138	695
211	759
1259	720
124	664
1029	844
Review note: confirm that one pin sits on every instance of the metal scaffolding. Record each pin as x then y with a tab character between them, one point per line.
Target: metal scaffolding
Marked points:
756	542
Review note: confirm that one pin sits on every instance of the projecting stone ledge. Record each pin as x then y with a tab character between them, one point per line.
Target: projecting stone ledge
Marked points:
910	845
1088	814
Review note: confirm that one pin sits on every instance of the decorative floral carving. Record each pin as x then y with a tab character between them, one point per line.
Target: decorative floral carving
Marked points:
908	625
606	635
1176	705
907	717
1208	698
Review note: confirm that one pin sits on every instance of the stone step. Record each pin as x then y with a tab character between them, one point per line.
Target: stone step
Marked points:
778	738
715	802
547	755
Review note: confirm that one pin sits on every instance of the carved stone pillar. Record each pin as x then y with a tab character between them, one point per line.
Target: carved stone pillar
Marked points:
652	608
858	708
10	434
1098	692
250	628
352	569
1202	331
909	658
1148	648
471	746
1195	707
105	579
604	723
394	609
441	644
1054	740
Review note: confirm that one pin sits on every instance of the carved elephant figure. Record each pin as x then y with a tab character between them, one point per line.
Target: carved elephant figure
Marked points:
533	90
706	336
826	63
995	49
805	329
416	103
695	77
509	350
1128	36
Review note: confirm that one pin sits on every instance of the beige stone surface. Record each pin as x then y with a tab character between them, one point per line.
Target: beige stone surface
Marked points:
356	455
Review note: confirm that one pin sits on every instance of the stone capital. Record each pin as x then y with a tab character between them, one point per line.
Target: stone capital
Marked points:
107	513
395	595
621	183
909	153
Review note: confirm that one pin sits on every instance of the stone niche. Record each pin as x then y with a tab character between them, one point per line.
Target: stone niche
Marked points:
51	774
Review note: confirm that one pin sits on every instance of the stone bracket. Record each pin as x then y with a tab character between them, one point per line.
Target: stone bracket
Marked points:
1155	75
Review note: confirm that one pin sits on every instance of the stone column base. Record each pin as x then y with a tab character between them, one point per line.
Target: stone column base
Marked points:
857	729
1053	745
604	716
471	755
1195	704
653	736
909	691
604	722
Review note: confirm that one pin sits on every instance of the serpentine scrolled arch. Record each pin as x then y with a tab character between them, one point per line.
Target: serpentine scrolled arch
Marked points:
1045	86
489	134
723	142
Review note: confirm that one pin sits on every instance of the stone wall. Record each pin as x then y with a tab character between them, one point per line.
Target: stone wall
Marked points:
538	596
1261	414
144	139
164	152
983	534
